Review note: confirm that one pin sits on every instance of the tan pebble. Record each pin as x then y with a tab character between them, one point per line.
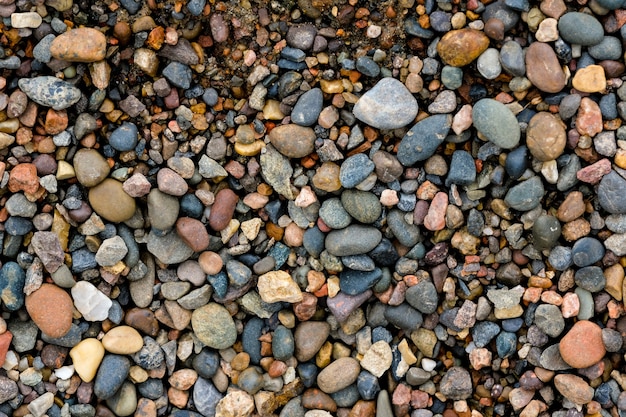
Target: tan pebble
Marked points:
574	388
545	136
460	47
86	357
79	45
122	340
590	79
277	286
183	379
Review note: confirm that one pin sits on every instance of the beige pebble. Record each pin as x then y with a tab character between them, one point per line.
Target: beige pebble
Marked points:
87	356
122	340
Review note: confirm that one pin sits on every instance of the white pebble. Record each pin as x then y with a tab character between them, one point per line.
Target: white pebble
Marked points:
428	364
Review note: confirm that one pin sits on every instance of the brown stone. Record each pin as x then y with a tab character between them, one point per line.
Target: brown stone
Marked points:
309	338
461	47
23	177
543	68
572	207
292	140
5	343
193	233
338	375
314	398
363	408
223	209
56	121
574	388
143	320
110	201
553	8
79	45
51	309
545	136
210	262
582	346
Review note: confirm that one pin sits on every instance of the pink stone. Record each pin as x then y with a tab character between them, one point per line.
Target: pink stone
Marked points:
571	305
401	395
462	120
593	173
306	197
436	217
171	183
589	119
419	399
389	198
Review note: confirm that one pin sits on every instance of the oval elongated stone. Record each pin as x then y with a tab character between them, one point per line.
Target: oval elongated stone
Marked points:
338	375
51	309
461	47
214	326
545	136
122	340
86	357
496	122
422	140
543	68
388	105
574	388
292	140
79	45
353	240
612	193
50	91
110	201
580	28
223	209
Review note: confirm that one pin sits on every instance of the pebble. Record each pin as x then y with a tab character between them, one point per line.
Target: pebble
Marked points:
50	91
309	338
111	202
122	340
587	251
90	302
543	68
51	308
223	209
610	195
90	167
387	105
308	108
292	140
456	384
582	345
363	206
111	375
580	28
12	281
462	169
86	357
504	133
590	278
26	20
461	47
278	286
338	375
423	297
79	45
574	388
423	139
353	240
545	136
525	195
590	79
214	326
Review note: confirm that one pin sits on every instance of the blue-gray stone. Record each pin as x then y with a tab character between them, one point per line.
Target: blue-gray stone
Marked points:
380	333
24	334
313	241
526	195
413	28
609	48
580	28
238	273
441	21
407	234
499	10
462	169
132	6
484	332
356	282
280	252
250	339
567	176
12	280
82	260
206	397
423	139
71	338
452	77
124	138
404	317
560	258
358	262
355	169
496	122
388	105
612	193
516	162
132	257
308	108
346	397
506	344
353	240
587	251
210	97
293	54
611	4
111	375
50	91
368	385
512	325
590	278
519	5
41	51
219	282
475	223
150	356
12	62
384	254
283	343
179	75
206	363
308	373
512	58
334	215
366	66
18	226
423	296
196	7
608	106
